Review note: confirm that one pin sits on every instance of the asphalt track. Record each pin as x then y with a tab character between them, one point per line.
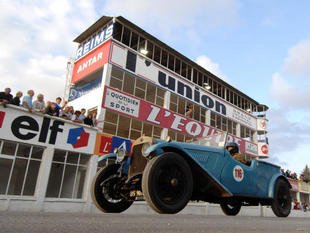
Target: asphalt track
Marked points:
131	223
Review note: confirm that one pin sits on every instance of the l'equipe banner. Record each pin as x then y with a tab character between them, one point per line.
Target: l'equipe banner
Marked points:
131	106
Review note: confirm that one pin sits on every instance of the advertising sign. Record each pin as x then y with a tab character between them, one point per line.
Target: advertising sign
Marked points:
263	149
103	144
106	143
94	41
262	124
91	62
154	73
294	184
43	130
122	103
147	112
82	89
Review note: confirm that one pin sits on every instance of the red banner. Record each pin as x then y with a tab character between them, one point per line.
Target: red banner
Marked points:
2	114
144	111
294	184
91	62
103	144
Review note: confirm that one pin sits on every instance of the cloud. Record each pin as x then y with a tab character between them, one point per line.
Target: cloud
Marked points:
289	96
287	134
36	42
289	122
211	66
45	75
297	61
36	36
289	139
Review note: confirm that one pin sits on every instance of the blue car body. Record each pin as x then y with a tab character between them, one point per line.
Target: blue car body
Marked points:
168	174
258	180
217	166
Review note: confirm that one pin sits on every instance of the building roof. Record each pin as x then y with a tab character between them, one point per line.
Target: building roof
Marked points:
106	19
93	28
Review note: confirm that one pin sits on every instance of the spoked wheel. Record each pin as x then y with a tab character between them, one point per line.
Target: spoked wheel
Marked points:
167	183
282	202
231	209
106	192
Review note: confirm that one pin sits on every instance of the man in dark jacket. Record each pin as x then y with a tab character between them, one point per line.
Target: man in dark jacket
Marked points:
16	99
5	97
51	109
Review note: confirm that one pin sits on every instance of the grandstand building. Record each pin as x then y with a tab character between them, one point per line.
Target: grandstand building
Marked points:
139	85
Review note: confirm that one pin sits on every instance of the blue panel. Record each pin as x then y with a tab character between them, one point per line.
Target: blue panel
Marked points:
82	89
118	141
74	134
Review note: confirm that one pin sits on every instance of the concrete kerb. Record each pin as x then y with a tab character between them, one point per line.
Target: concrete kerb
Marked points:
193	208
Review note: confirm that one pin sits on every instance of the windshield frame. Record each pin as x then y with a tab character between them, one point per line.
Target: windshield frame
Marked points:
215	139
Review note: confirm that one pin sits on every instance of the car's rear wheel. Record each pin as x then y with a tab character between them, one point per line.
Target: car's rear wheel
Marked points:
106	193
167	183
282	201
230	209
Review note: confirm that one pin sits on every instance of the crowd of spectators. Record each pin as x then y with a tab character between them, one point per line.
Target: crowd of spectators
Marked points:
303	178
304	206
58	108
289	174
293	175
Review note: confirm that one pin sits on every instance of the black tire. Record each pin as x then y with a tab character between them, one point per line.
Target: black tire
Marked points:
282	201
167	183
104	195
230	209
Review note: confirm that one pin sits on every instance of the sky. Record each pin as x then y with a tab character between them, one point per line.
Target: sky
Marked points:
260	47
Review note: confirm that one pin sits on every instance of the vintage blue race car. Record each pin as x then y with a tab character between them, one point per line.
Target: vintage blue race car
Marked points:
169	174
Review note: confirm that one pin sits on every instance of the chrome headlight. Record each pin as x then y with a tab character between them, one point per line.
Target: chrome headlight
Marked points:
120	154
145	146
168	139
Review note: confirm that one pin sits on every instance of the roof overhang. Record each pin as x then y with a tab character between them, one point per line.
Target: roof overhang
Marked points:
93	28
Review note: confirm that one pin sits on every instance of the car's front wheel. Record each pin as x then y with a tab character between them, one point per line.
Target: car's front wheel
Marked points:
282	201
167	183
106	193
230	209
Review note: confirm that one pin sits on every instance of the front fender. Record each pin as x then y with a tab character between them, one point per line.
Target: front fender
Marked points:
124	164
107	156
159	148
272	183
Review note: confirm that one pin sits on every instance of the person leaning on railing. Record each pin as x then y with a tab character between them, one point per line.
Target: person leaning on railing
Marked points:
16	99
5	97
39	105
51	108
27	100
